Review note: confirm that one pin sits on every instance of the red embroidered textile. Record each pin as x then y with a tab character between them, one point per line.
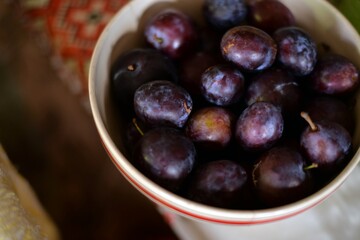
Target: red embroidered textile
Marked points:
70	29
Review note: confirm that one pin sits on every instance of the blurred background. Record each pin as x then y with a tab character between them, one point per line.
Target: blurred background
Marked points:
47	130
46	127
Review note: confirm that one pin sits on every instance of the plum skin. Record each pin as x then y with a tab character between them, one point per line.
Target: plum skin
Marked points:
136	67
334	75
219	183
297	51
277	86
165	156
210	128
172	32
326	146
270	15
259	126
162	103
280	176
222	84
224	14
249	48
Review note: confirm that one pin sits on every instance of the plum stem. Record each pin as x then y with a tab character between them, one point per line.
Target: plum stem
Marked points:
311	166
187	109
131	67
137	127
158	39
307	118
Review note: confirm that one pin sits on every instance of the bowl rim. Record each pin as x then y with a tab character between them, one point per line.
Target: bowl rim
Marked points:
187	207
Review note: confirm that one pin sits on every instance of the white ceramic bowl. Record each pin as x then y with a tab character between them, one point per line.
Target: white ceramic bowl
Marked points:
318	17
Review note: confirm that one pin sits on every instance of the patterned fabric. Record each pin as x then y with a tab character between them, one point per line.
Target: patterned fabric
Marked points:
22	215
70	29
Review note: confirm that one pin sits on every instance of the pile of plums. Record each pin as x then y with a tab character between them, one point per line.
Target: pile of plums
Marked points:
245	111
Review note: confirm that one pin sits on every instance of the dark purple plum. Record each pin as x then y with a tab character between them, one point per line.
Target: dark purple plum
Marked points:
136	67
334	75
275	86
210	128
331	109
172	32
218	183
325	143
249	48
297	51
222	85
224	14
259	126
270	15
280	177
166	157
162	103
191	69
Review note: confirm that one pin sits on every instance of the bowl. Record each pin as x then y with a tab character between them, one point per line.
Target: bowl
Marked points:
324	23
